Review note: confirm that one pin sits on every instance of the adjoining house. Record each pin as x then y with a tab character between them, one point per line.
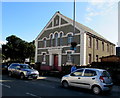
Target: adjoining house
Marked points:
54	42
111	58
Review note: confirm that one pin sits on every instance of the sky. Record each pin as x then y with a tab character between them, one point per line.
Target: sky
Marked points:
27	19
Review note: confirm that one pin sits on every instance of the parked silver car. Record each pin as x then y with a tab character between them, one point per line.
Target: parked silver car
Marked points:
90	78
23	71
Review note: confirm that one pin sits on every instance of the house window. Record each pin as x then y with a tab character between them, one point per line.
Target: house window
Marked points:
70	38
103	46
61	39
97	44
44	42
56	39
56	21
89	42
51	40
112	49
97	58
69	57
89	58
107	47
44	58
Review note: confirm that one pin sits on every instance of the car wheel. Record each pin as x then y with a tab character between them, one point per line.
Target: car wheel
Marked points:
35	78
65	84
22	76
10	74
96	90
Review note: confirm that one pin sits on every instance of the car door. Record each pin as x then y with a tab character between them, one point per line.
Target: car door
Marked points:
12	68
75	78
89	78
17	70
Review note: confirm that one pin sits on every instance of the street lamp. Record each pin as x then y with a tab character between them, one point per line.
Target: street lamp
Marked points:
73	43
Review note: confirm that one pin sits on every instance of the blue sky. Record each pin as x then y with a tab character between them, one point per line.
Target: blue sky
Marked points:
27	19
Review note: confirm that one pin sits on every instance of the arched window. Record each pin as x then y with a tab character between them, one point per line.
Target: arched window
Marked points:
44	42
103	46
89	42
56	39
97	44
107	47
44	58
61	34
70	38
51	40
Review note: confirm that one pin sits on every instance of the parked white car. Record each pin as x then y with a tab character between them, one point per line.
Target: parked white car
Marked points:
97	80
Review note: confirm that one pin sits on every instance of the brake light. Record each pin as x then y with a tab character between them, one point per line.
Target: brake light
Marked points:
102	79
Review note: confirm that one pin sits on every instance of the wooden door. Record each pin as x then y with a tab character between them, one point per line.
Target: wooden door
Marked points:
55	61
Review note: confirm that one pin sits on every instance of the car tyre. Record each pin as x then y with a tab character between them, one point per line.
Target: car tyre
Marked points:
35	77
65	84
22	76
10	74
96	90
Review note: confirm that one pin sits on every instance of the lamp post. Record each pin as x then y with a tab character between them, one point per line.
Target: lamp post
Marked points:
73	43
74	18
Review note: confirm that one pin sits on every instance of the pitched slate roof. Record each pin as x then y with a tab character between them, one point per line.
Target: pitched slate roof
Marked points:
84	27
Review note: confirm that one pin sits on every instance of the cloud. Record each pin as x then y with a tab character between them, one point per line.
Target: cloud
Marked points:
88	19
99	8
2	42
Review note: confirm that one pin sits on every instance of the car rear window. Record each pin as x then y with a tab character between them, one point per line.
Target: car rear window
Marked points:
105	74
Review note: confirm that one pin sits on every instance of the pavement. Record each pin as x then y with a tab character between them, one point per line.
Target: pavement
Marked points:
115	88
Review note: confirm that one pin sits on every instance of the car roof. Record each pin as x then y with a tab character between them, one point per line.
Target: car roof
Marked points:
96	69
18	64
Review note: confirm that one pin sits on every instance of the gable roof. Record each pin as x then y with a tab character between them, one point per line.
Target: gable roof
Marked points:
85	28
78	25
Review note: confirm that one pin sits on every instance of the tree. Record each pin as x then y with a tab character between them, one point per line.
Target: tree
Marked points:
17	49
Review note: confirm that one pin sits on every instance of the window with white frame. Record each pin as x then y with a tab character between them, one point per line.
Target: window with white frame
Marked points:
89	58
56	39
103	46
97	44
107	47
89	42
56	21
61	39
51	40
44	42
70	38
69	57
44	58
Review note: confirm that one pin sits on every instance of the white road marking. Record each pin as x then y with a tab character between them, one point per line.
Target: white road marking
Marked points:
5	85
32	95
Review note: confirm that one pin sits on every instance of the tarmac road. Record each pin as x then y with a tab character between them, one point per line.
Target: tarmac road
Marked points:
41	88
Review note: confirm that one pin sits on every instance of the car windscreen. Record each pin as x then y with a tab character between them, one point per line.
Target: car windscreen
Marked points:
25	67
105	74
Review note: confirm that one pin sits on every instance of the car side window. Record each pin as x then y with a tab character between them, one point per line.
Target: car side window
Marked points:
77	73
89	73
17	66
13	66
